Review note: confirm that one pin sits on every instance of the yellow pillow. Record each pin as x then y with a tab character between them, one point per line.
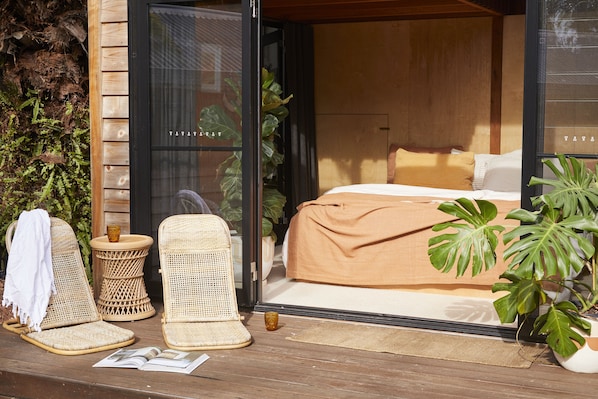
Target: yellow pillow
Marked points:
452	171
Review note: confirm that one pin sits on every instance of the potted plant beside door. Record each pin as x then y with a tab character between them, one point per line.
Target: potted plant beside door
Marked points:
554	244
221	124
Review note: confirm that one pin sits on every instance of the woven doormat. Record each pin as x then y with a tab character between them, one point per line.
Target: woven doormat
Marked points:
455	347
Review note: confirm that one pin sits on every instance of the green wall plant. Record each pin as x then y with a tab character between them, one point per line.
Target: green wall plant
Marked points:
45	162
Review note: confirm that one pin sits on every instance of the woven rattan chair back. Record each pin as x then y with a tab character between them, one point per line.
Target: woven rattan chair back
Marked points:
72	305
198	283
197	269
73	302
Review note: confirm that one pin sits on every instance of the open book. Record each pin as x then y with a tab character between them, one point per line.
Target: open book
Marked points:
152	358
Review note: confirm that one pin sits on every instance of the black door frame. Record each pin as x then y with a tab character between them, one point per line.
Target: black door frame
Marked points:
140	147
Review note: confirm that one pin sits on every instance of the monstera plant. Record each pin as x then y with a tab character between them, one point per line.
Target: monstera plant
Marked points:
215	118
552	245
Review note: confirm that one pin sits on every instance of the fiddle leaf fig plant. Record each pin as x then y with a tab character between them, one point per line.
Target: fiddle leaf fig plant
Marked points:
221	125
550	247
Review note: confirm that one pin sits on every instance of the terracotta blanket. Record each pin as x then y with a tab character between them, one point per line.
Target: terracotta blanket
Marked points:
373	240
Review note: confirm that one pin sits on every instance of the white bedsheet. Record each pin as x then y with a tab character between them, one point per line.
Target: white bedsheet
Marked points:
403	190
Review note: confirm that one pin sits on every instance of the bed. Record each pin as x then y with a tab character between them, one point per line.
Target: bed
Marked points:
376	235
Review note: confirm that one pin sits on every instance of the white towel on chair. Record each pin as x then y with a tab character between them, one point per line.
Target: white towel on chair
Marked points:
29	279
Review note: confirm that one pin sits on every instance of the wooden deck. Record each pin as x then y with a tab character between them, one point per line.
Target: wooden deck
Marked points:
274	367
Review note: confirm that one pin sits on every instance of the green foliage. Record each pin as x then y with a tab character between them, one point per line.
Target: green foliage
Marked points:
45	163
548	247
474	242
218	124
556	324
552	243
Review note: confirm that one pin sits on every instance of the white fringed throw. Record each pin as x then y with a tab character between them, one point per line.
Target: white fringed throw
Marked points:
29	279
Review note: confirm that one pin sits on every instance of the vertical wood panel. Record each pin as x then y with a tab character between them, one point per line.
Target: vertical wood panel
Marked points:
512	83
496	85
115	130
115	83
116	177
361	156
116	153
449	86
117	200
115	59
114	11
95	115
115	107
114	34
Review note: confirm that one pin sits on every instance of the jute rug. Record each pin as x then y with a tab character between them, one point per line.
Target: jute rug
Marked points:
462	348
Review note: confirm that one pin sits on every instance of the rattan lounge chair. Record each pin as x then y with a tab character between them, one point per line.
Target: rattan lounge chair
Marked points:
200	304
72	325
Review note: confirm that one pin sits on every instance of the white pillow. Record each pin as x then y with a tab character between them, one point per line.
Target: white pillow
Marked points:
503	172
481	165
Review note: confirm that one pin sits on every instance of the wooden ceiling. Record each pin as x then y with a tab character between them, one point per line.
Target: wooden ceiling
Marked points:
330	11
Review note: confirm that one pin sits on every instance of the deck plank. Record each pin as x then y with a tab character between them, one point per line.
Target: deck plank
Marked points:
274	367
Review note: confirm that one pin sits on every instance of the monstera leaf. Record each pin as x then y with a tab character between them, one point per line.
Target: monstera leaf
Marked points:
574	191
550	245
556	324
473	242
524	296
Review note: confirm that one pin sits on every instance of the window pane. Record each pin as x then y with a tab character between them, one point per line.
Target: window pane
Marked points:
569	48
195	65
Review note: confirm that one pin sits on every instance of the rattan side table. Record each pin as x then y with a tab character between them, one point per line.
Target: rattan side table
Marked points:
123	296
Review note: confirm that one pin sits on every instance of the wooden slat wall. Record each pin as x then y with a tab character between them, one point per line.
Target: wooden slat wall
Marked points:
440	82
111	134
109	112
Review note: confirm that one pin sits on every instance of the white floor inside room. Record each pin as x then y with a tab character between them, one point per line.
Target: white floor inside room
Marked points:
455	306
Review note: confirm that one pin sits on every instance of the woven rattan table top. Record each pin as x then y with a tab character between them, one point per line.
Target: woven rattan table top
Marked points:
127	242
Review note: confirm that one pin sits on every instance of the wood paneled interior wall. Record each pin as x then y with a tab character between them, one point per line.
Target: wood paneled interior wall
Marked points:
428	81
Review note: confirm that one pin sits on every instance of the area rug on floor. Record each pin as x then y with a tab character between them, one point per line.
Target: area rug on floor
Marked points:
462	348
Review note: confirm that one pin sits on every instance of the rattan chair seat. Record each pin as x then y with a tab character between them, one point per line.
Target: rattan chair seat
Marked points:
200	303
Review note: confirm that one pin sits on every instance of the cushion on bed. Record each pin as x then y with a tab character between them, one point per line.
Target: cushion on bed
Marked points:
392	153
452	171
503	172
479	170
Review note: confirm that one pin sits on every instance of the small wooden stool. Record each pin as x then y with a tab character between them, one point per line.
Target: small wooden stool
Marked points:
123	296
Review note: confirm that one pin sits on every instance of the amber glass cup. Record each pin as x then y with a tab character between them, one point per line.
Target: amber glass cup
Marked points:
271	320
113	231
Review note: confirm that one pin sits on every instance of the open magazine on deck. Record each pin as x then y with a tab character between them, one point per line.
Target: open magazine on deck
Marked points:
152	358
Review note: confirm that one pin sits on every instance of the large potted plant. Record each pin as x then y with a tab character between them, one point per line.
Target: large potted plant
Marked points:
215	118
554	243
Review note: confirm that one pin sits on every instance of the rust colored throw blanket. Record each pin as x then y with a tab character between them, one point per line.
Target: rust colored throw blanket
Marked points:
373	240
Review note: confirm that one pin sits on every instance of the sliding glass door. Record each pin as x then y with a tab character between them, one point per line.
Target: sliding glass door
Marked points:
188	63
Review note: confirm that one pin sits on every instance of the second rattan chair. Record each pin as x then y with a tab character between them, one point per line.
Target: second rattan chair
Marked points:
200	303
72	324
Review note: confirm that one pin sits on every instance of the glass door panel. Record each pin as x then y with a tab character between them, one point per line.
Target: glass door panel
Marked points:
193	52
190	59
569	49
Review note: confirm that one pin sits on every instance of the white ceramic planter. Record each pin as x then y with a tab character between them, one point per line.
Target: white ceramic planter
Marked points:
268	247
585	360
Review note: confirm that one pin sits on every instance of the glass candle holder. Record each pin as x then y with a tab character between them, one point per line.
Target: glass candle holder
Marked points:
113	232
271	320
